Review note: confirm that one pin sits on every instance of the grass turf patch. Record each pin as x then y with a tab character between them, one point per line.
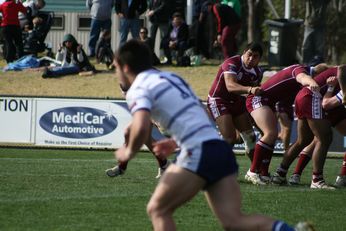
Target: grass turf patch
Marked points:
68	190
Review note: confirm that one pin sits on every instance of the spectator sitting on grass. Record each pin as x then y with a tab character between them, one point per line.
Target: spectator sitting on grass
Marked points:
143	36
73	59
31	36
104	52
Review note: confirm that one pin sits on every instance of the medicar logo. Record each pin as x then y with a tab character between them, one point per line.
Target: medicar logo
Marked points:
78	122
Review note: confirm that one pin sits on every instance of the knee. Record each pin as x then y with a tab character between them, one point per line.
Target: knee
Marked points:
303	141
270	136
325	140
154	209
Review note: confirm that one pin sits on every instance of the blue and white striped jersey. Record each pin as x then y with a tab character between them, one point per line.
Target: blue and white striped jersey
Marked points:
172	105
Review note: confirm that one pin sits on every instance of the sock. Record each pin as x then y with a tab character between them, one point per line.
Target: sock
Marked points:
317	176
161	162
281	226
257	158
304	159
262	152
343	168
267	156
282	170
123	165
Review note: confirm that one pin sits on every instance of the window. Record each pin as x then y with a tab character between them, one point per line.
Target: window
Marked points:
84	22
58	22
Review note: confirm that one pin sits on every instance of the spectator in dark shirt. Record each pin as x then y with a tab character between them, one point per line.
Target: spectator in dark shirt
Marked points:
314	31
11	31
128	12
159	14
143	36
176	39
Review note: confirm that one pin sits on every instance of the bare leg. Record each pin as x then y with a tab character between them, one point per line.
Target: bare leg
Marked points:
246	132
285	129
176	187
225	200
267	123
149	143
304	158
305	136
321	130
226	128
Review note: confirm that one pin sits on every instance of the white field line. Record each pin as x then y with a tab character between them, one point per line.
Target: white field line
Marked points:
67	160
40	198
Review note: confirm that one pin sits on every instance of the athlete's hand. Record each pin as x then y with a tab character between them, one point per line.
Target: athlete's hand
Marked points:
122	154
256	91
332	81
163	148
314	87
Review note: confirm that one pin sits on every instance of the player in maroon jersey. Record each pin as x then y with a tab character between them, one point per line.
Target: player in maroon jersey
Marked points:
282	86
313	126
336	113
237	75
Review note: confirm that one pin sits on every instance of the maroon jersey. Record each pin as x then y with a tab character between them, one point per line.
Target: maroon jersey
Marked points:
245	77
283	85
321	80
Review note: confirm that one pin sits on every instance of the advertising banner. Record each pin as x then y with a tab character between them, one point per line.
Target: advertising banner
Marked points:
81	122
86	123
16	119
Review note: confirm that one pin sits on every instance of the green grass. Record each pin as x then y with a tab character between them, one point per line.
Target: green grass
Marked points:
68	190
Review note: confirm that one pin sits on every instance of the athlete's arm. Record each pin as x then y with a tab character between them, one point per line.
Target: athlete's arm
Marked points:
307	81
330	100
139	131
234	87
342	81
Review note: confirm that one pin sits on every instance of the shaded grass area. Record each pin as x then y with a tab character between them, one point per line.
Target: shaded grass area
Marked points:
68	190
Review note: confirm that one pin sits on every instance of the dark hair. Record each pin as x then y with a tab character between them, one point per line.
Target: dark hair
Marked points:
145	29
177	15
255	47
105	33
42	3
136	55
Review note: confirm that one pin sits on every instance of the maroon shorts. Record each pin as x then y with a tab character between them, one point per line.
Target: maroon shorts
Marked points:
254	102
308	105
218	107
283	107
336	115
